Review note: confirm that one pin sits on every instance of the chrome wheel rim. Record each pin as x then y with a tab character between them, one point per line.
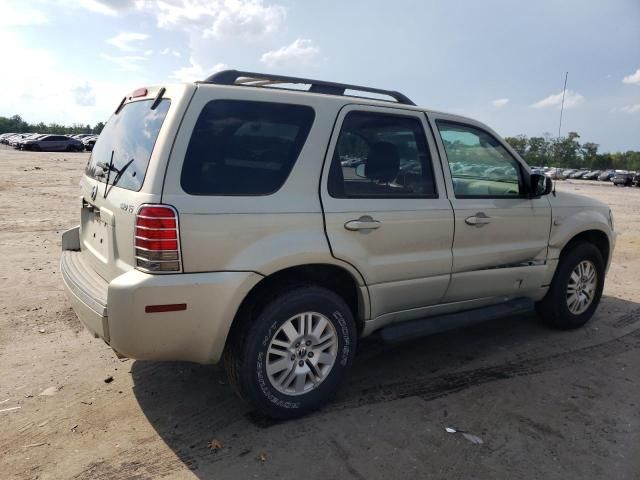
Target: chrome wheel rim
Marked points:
582	287
301	354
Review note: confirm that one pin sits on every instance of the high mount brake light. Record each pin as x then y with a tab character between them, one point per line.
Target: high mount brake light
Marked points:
157	239
139	92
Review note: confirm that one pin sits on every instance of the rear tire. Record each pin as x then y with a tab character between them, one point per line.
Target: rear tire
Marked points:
576	288
290	359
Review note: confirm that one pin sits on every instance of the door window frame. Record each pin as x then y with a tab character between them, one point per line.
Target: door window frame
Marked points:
432	149
433	120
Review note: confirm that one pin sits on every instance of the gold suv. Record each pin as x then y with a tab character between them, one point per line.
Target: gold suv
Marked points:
238	219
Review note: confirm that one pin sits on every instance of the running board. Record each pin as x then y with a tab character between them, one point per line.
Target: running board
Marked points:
442	323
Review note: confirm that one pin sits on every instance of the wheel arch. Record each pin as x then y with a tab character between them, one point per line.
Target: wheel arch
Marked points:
330	276
594	236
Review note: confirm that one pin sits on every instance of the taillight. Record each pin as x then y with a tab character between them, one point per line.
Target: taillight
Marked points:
157	239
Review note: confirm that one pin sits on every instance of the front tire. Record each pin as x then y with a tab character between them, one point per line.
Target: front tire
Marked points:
576	288
291	358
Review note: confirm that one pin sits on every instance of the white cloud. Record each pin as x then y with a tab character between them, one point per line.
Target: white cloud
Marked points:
170	51
500	102
218	18
633	108
13	16
572	99
84	95
129	63
124	40
633	79
106	7
301	51
40	88
195	71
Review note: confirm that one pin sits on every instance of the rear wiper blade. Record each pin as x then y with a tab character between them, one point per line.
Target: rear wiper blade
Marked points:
120	172
109	169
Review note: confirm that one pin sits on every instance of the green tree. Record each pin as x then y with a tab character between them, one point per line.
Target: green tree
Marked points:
518	143
589	154
98	128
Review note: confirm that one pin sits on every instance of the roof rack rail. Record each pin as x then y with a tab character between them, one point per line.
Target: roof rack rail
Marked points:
252	79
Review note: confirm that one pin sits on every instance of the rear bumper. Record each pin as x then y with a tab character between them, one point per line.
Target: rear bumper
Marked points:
197	334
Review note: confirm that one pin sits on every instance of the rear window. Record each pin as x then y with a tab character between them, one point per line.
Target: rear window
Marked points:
129	135
244	148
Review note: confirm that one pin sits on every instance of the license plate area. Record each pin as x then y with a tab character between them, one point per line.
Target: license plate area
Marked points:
95	232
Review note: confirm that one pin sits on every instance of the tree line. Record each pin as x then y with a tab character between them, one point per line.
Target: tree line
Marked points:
568	152
17	124
563	152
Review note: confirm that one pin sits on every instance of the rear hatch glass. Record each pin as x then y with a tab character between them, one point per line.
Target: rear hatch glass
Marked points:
107	216
128	138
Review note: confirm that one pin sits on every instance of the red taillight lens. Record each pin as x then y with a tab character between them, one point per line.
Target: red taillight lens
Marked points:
153	234
157	239
156	222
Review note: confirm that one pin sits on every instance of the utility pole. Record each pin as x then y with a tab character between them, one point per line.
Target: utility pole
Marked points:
564	89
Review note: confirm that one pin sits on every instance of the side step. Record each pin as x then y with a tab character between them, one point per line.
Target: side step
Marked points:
451	321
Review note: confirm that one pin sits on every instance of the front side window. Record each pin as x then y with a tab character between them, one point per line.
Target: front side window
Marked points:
381	155
480	166
244	147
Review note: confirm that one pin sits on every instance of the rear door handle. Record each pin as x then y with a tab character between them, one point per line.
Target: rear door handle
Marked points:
480	219
363	223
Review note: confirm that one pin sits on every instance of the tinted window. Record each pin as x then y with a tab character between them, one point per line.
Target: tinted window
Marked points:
381	155
480	166
244	148
130	134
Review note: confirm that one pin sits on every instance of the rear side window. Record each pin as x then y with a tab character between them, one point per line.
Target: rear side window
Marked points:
244	148
379	155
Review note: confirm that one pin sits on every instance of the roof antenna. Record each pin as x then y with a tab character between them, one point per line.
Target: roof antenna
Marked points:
564	89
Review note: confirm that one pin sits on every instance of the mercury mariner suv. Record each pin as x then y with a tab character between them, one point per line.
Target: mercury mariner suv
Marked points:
270	222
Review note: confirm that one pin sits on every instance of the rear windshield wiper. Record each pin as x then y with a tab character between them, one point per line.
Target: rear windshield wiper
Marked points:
109	167
120	172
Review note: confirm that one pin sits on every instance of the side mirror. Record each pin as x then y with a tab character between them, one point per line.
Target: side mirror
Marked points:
540	185
360	170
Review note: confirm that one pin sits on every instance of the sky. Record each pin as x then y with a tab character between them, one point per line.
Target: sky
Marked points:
499	61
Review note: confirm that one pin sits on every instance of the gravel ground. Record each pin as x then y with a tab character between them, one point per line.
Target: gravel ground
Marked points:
544	404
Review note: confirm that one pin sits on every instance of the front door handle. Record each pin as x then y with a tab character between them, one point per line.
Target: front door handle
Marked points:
363	223
480	219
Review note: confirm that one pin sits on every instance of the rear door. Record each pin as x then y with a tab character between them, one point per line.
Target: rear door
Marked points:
501	234
137	139
386	210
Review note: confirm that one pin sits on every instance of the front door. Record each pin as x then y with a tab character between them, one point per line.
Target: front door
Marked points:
386	210
501	234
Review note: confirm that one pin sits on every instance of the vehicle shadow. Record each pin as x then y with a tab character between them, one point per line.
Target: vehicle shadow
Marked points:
191	405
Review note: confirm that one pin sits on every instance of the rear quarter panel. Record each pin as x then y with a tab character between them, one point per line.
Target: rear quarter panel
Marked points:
254	233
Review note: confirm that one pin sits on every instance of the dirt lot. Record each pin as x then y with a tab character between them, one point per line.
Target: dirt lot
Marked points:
545	404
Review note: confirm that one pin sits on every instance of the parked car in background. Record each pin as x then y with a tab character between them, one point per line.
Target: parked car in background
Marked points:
592	175
89	142
636	179
606	175
5	136
82	136
622	177
53	143
234	233
578	174
13	141
567	173
20	143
